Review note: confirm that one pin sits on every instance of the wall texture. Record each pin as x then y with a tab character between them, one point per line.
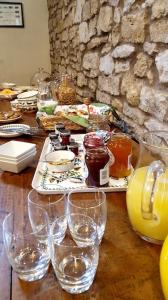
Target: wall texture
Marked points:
24	50
116	50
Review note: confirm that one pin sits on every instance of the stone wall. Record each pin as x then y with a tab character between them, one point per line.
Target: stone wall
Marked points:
116	51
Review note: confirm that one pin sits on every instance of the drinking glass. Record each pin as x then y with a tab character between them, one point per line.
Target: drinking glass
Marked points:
83	229
55	207
75	266
27	249
92	204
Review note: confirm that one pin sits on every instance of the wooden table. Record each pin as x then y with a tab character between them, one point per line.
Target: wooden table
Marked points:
128	267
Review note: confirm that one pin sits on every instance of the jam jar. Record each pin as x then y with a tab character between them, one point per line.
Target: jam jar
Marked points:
97	166
65	137
92	140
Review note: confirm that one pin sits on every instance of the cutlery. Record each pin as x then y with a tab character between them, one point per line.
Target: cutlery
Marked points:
30	131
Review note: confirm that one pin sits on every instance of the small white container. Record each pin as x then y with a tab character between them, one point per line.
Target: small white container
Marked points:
15	149
17	167
60	161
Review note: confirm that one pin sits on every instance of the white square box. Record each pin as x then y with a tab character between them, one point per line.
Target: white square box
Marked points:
15	149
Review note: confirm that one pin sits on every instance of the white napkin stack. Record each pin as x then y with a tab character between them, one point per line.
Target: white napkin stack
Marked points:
16	156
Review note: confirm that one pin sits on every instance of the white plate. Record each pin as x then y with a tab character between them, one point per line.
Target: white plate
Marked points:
13	126
49	182
27	94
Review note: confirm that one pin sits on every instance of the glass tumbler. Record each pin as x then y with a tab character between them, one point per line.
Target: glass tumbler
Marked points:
55	207
75	266
92	204
27	248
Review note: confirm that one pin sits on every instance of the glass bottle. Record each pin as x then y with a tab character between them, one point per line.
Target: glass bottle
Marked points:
45	101
39	76
66	91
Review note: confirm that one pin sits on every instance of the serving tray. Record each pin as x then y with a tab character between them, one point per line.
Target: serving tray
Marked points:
49	182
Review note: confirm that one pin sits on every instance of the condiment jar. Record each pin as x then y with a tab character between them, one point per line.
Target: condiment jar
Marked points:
74	147
120	146
59	127
65	137
97	166
92	140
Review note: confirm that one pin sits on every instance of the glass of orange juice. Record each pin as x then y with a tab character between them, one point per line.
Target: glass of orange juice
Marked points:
120	145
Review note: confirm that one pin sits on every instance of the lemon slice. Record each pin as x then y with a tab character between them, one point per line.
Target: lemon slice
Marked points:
164	267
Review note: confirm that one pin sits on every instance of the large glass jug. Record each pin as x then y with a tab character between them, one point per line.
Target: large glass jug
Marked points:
46	100
147	194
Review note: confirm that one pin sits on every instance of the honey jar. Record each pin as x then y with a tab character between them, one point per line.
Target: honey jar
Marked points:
120	146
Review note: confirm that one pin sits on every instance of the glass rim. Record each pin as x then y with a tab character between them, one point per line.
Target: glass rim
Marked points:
19	234
153	132
93	190
62	196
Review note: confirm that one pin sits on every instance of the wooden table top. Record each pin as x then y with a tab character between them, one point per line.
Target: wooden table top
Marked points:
128	266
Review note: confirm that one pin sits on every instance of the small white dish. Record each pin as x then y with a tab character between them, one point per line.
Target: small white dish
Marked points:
60	161
7	85
15	149
12	126
28	94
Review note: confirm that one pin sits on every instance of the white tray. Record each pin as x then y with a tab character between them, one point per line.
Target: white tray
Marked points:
45	182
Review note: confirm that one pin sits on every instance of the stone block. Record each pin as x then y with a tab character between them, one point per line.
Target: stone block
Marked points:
91	61
159	31
154	102
159	9
110	84
117	15
134	113
92	83
86	13
78	12
122	66
94	7
153	124
103	97
93	26
105	18
106	64
162	66
127	5
115	35
117	104
97	41
123	51
81	80
150	48
142	65
84	32
133	27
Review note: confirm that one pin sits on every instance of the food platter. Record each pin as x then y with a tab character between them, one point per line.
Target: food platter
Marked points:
9	116
48	182
13	127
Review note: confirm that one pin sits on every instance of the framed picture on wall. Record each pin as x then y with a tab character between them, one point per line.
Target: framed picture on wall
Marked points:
11	14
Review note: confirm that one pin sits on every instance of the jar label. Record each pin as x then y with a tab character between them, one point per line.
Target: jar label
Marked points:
104	175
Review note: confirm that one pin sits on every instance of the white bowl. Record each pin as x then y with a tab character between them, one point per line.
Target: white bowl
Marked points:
60	161
7	85
15	149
